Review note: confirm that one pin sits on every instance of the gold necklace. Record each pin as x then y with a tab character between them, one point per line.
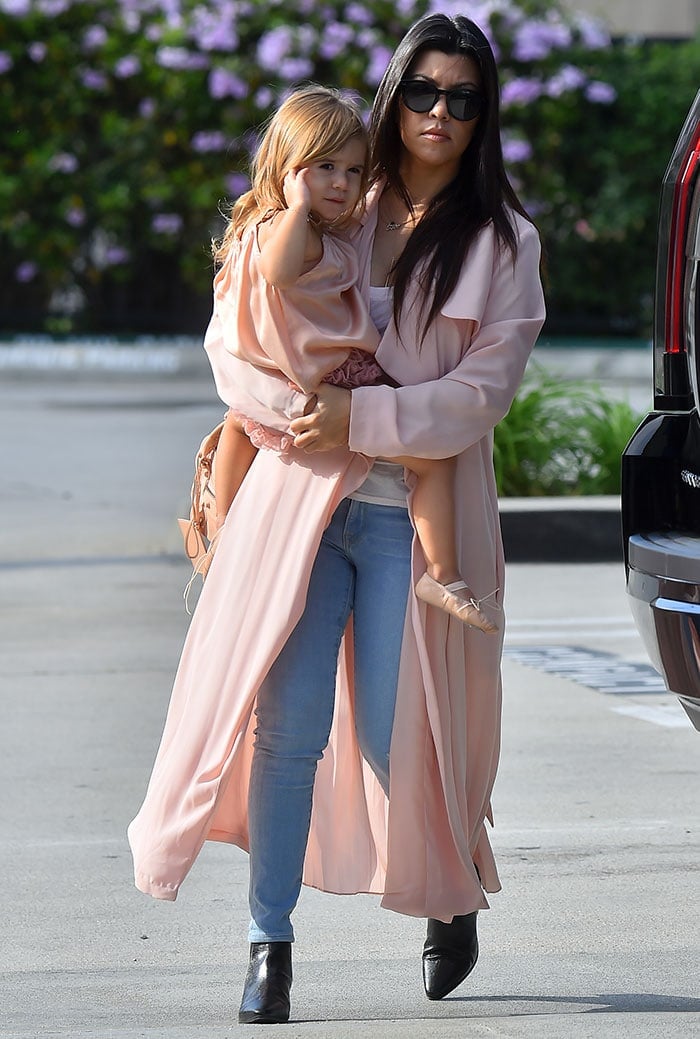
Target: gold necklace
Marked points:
392	225
395	225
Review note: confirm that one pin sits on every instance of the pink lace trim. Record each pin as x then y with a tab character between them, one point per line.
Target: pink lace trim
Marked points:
262	436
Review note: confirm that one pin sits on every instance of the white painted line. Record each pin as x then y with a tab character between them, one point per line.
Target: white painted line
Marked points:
590	633
563	622
670	716
582	830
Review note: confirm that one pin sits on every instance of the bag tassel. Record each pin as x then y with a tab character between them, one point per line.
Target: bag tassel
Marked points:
198	533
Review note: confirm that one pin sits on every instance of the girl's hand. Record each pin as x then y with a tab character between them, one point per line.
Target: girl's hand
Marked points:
295	188
328	425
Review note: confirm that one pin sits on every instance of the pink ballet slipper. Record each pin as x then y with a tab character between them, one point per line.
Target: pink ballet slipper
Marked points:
458	601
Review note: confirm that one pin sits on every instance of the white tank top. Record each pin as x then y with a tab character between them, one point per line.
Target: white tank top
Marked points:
384	483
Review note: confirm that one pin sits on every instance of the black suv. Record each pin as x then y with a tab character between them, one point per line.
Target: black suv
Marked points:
661	464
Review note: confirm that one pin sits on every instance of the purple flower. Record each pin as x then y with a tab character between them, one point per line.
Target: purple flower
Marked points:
94	37
594	34
376	67
154	33
356	14
520	91
132	21
63	162
293	69
52	8
26	271
366	39
517	150
147	108
114	255
273	47
535	40
37	51
209	141
600	93
237	183
180	59
167	223
223	83
263	97
213	28
172	9
306	39
335	40
92	79
75	216
567	78
15	8
127	66
6	62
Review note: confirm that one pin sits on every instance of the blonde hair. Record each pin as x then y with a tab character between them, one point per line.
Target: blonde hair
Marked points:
313	123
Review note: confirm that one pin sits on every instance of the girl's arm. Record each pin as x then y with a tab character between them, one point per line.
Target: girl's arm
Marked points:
289	246
441	418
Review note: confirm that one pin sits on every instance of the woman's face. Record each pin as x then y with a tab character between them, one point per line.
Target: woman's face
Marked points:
435	138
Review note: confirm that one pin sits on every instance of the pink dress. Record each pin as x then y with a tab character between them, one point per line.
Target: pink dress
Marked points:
317	330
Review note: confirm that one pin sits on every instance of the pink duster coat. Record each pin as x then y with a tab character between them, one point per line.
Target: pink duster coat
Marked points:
420	848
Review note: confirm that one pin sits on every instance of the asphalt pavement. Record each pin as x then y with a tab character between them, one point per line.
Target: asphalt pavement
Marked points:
595	933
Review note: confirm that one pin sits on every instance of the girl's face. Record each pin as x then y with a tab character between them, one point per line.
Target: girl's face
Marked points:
436	138
335	181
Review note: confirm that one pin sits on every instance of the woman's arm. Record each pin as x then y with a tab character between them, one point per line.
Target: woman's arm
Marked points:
441	418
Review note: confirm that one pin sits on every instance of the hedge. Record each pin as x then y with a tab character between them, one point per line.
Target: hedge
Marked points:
127	125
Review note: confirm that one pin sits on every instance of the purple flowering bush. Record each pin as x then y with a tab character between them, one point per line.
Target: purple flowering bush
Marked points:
596	174
127	124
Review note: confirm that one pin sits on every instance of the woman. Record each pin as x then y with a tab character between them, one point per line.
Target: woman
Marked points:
398	801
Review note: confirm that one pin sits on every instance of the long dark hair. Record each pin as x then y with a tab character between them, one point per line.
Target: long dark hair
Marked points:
480	193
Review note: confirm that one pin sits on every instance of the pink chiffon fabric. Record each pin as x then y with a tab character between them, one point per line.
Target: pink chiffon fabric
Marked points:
425	848
318	330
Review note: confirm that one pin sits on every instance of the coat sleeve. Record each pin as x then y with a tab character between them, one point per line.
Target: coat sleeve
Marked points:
442	418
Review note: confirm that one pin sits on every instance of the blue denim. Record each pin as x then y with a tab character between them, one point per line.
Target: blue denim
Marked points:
363	566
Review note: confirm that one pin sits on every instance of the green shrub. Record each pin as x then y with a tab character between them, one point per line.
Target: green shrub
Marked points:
561	438
595	175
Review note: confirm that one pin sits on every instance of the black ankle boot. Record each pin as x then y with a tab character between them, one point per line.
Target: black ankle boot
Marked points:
267	984
449	954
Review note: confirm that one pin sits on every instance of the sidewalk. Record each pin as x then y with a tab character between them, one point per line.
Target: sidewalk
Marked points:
595	808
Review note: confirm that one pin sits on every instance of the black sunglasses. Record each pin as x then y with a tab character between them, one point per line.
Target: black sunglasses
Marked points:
420	96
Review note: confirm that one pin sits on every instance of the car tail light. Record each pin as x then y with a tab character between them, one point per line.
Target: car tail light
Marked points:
671	375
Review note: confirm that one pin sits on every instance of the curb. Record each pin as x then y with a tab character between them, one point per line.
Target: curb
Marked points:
562	530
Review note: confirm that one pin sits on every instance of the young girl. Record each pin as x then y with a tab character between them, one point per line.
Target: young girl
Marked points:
286	291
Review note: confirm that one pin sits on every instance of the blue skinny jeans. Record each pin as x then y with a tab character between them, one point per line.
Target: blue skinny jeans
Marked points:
363	567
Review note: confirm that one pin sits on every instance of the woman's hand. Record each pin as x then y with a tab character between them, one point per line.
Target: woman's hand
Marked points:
328	425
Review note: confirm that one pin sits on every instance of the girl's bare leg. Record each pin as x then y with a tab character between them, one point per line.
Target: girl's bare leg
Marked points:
234	457
434	516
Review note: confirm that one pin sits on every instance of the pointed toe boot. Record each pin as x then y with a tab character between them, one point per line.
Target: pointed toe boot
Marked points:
267	984
449	954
